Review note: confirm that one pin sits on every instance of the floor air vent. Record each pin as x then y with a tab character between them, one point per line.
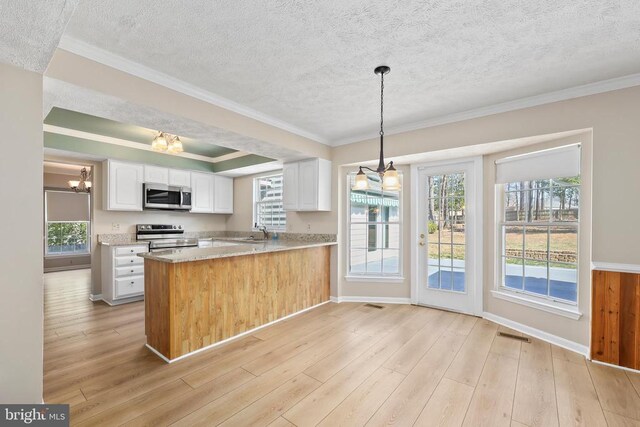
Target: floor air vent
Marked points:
374	306
514	337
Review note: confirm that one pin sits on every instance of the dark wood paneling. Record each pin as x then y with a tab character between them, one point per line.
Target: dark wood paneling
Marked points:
615	330
196	304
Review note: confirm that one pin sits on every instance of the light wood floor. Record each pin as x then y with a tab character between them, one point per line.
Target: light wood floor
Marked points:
340	364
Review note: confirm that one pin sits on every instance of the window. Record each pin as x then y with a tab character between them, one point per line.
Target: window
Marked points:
268	210
67	238
539	235
374	227
67	228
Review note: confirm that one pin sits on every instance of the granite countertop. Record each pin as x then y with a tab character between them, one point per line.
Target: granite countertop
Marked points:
236	249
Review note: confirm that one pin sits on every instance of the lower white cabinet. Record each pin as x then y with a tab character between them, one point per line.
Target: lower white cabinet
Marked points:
122	273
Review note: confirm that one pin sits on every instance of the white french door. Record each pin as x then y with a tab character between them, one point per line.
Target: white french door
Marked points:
447	257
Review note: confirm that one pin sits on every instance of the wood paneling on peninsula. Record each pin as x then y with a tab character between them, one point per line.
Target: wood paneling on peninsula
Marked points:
615	331
191	305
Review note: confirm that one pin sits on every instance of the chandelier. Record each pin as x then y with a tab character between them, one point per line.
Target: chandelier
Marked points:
167	143
83	185
388	174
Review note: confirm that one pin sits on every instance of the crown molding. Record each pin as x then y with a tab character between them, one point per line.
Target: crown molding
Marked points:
94	53
518	104
137	145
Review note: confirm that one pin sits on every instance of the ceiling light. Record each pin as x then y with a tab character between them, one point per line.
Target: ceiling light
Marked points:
388	174
175	146
83	185
167	143
159	143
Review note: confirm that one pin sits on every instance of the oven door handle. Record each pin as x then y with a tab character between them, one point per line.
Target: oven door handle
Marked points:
181	197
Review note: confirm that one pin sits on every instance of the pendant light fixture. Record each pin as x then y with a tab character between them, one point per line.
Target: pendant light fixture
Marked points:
167	143
388	174
83	185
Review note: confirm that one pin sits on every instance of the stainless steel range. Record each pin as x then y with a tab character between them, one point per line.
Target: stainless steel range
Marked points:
163	236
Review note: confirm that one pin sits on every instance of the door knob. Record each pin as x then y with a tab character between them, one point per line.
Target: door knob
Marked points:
421	243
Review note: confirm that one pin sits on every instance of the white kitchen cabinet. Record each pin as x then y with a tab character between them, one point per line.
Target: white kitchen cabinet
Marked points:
156	175
122	273
307	185
179	178
290	186
223	195
202	186
123	190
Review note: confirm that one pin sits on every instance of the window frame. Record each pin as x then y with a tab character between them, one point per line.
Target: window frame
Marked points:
66	254
546	303
256	190
375	277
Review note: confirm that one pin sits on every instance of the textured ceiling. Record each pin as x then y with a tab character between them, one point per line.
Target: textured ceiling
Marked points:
310	63
30	31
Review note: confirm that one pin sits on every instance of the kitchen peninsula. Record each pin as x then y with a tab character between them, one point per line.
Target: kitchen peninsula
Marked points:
197	297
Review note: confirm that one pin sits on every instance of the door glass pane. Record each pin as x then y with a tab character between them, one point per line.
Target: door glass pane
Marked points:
446	231
358	236
374	260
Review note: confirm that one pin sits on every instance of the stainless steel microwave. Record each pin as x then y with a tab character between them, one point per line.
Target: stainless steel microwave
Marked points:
159	196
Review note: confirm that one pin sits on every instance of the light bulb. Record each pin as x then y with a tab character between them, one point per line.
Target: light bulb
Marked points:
159	143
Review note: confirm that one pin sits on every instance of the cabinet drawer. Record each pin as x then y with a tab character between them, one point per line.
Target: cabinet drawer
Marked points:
131	250
133	270
130	286
121	261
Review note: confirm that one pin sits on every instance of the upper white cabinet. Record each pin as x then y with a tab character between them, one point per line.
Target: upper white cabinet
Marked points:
202	184
210	193
307	185
223	194
179	178
290	186
156	175
123	190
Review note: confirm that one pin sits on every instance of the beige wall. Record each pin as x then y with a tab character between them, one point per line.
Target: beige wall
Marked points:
21	334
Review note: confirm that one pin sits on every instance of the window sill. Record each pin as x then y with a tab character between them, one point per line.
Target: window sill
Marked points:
549	307
375	279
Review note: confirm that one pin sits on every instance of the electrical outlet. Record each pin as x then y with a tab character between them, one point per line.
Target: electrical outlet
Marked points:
115	226
308	227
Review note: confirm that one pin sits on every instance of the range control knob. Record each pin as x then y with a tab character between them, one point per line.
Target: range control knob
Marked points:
180	227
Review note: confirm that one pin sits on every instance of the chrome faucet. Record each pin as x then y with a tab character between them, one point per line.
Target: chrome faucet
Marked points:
264	231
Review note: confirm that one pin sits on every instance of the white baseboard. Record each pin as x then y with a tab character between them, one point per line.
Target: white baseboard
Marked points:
235	337
624	368
382	300
544	336
95	297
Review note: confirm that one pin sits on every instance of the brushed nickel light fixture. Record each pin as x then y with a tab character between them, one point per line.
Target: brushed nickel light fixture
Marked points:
83	185
167	143
388	173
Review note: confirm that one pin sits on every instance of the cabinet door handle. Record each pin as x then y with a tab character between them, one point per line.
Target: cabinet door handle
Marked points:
131	250
132	283
132	271
131	260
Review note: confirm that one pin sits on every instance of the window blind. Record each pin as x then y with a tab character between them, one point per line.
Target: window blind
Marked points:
558	162
67	206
